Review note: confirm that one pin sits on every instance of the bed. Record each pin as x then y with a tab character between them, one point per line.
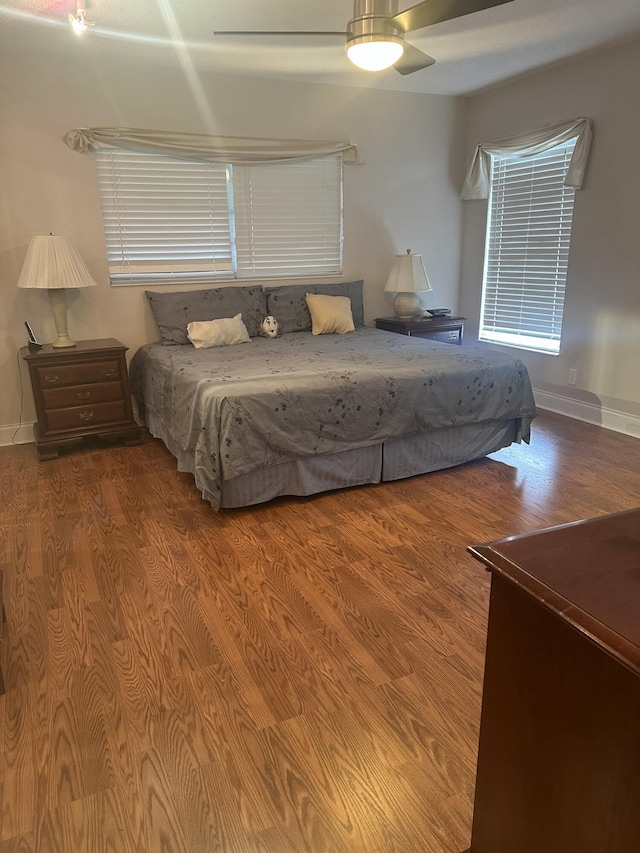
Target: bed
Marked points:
305	413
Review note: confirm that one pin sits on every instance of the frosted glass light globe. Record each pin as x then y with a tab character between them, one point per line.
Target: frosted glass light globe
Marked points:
375	55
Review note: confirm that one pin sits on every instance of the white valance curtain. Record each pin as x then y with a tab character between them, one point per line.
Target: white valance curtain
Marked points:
476	184
212	149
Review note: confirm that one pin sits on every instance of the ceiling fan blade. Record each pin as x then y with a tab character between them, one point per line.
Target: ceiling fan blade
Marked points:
435	11
277	33
412	60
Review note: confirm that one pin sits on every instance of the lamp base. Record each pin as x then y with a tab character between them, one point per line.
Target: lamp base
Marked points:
406	305
58	302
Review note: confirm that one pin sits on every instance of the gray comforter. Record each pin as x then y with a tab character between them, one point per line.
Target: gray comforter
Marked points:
238	408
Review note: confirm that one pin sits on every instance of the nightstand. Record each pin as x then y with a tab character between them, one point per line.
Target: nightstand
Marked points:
81	391
447	329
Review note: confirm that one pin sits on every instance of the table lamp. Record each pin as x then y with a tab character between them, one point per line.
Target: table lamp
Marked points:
407	278
54	264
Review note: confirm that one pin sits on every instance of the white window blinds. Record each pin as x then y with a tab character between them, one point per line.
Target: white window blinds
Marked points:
164	218
289	218
527	249
179	220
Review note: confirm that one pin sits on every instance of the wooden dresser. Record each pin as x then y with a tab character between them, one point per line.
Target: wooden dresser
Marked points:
559	752
3	619
81	391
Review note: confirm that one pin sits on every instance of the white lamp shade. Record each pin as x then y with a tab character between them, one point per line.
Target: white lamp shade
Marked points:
52	262
407	275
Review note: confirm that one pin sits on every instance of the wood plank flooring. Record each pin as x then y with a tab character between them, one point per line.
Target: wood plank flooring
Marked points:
305	675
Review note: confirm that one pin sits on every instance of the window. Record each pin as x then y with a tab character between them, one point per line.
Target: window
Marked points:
527	249
168	220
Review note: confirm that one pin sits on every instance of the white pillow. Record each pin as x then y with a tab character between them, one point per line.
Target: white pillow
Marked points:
218	333
330	314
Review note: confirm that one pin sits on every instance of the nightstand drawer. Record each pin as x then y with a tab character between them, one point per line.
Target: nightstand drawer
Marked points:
78	374
450	337
447	329
86	417
78	395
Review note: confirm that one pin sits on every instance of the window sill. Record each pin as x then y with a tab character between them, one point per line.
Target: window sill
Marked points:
529	346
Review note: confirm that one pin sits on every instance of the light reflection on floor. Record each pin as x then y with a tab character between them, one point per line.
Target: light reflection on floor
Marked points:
535	468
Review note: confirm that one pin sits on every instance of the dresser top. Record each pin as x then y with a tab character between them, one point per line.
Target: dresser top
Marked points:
587	572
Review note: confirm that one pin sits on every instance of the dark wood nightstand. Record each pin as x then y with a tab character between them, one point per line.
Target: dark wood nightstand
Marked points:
447	329
81	391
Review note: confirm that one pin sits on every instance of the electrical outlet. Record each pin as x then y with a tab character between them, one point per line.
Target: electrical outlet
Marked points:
573	376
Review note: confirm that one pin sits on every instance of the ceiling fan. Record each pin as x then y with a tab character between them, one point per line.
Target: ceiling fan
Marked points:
375	34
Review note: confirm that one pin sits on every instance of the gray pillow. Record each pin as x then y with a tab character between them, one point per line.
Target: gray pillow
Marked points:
174	311
288	304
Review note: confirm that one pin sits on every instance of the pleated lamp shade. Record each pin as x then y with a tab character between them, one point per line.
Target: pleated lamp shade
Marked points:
53	264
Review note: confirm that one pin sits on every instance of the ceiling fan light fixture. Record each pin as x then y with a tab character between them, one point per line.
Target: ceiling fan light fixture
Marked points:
374	40
375	53
376	32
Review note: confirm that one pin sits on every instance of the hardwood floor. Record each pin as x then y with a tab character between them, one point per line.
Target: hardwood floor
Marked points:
301	676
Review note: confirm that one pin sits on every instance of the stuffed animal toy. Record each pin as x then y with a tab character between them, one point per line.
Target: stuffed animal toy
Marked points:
269	327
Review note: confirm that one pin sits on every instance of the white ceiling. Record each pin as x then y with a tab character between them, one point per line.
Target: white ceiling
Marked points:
473	53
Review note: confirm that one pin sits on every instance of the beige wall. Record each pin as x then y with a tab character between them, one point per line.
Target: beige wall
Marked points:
601	332
404	196
415	149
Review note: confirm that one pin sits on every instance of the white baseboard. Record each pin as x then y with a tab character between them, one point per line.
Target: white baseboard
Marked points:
607	418
16	434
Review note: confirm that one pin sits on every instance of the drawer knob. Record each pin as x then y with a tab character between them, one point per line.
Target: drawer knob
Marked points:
83	395
86	415
109	371
51	378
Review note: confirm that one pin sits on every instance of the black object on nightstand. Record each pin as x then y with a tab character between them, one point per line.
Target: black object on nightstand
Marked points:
81	391
447	329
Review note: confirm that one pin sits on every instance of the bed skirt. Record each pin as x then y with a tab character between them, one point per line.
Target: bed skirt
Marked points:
393	460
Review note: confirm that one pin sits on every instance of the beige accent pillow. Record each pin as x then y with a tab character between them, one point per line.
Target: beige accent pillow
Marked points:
218	333
330	314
